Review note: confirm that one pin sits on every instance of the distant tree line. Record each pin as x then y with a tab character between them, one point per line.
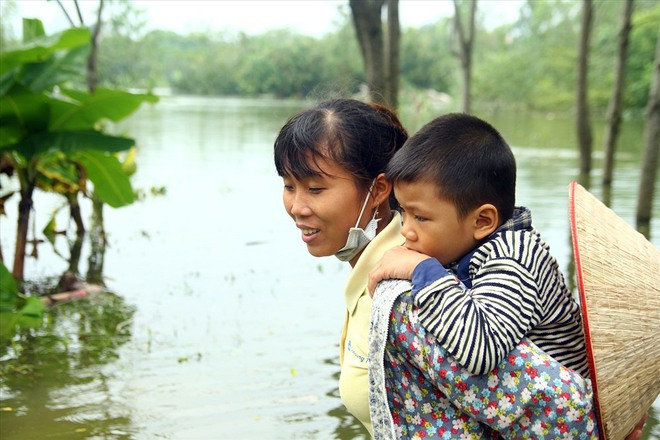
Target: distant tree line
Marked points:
530	62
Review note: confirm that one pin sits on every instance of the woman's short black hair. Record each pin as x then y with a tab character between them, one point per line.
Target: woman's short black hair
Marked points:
359	137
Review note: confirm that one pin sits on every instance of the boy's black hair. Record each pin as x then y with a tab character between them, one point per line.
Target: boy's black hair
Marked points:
465	158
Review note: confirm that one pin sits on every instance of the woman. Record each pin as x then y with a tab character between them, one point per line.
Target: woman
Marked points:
332	159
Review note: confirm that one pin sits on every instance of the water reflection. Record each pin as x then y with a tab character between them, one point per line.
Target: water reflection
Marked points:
54	382
225	326
348	426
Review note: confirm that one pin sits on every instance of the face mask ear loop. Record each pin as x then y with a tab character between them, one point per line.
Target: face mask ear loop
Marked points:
364	205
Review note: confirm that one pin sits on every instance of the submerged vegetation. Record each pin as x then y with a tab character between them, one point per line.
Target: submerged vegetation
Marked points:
53	139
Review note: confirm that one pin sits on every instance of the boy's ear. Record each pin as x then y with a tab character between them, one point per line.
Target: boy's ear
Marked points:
486	221
382	189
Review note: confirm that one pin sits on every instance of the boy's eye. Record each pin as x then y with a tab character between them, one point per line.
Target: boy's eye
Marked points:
417	218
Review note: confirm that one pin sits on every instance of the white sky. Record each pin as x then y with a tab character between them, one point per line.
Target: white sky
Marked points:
311	17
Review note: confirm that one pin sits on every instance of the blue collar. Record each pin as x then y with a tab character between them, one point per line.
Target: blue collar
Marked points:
521	220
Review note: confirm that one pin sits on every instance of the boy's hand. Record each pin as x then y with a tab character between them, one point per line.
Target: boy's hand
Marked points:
398	262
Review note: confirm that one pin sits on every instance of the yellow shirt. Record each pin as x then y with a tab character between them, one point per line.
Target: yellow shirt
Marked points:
354	344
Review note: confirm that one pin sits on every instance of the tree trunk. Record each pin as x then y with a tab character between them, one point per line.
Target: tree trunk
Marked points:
464	54
92	71
98	242
369	32
392	54
651	148
74	255
614	108
583	125
74	211
22	225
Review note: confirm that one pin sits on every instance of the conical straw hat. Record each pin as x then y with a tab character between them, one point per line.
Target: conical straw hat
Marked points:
618	276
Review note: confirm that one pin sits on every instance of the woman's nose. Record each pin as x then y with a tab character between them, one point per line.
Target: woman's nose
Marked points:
298	206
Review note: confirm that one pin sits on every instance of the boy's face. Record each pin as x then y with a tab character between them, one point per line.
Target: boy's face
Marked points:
431	224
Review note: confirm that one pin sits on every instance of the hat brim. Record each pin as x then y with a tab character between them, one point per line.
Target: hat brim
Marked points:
618	277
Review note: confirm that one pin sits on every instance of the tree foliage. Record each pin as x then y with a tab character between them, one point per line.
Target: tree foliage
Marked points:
529	63
426	60
532	62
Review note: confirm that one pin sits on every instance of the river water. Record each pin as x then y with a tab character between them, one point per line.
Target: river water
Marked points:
219	325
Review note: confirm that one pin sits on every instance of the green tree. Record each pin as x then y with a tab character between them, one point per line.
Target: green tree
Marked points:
529	63
614	109
36	123
645	22
582	113
651	150
426	61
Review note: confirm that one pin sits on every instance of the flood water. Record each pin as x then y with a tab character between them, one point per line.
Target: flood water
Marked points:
219	324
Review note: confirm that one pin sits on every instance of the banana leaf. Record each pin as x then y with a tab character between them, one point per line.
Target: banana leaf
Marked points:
111	183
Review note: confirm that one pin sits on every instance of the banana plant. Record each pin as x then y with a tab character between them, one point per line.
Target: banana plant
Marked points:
42	114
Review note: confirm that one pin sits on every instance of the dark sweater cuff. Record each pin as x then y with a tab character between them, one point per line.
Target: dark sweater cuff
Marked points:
426	273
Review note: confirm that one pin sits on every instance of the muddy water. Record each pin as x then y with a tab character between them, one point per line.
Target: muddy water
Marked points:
218	323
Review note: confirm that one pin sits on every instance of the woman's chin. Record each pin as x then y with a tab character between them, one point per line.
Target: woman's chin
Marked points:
317	252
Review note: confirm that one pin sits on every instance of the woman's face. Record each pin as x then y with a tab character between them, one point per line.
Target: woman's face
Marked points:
325	207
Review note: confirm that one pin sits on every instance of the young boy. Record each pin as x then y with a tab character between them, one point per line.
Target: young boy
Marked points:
482	277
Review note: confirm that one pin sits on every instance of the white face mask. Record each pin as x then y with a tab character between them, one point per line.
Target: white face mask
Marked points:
359	238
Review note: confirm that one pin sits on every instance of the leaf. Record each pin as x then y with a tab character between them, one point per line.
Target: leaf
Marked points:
32	29
29	316
111	183
50	229
22	110
9	135
33	308
91	108
8	321
128	164
60	68
68	142
40	49
8	290
57	172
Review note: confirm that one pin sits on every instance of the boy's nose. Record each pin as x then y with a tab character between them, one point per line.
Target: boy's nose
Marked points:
408	233
410	236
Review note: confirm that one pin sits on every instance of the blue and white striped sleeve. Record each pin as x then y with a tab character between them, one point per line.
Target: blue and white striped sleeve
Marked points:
479	325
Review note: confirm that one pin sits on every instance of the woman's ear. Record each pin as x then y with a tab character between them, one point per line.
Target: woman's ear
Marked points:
486	221
381	190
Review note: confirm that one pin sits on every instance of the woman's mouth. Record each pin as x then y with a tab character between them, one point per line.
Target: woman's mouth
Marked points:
308	234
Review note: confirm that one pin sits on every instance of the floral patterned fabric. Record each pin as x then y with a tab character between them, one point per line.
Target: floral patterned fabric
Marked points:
416	390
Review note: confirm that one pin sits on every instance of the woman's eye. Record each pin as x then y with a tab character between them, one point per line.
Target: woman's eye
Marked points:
288	187
315	190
